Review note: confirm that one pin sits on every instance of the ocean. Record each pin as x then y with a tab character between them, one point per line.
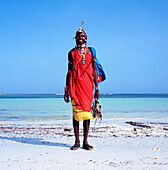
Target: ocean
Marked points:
52	107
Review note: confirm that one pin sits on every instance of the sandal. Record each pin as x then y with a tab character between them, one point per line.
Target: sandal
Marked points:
75	146
87	147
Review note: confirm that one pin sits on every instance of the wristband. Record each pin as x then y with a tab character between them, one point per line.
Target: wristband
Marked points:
97	88
66	88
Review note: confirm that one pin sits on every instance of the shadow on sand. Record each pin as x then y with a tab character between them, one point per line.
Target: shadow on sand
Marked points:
35	141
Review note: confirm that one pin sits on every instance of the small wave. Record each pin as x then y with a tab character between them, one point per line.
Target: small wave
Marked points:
3	109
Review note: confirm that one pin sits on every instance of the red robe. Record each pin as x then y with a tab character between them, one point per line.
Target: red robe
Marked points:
81	83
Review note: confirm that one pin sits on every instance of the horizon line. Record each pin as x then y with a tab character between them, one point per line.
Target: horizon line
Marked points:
63	94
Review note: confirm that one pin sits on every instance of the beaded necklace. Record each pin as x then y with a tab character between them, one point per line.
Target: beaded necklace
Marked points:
82	52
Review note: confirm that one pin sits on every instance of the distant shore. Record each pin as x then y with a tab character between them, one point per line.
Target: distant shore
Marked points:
138	95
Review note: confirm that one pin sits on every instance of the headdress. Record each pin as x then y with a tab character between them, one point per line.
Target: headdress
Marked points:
81	30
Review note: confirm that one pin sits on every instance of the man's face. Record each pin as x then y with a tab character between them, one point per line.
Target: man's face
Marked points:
80	39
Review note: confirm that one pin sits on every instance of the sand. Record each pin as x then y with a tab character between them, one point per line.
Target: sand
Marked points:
137	144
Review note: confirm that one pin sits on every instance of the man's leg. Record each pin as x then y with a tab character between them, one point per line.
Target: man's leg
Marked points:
76	131
86	124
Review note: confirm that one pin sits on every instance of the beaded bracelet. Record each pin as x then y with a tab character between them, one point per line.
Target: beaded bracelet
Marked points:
97	88
66	88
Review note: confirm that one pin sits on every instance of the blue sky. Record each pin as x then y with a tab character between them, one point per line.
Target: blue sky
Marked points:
130	37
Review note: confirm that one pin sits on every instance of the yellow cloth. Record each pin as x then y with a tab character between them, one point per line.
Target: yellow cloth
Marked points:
80	114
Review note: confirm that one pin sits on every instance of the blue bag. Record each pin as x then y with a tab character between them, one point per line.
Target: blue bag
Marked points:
100	72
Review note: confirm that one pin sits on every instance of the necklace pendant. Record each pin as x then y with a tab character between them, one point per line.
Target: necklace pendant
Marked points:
83	61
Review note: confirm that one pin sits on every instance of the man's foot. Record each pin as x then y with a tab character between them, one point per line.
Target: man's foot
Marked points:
87	147
75	146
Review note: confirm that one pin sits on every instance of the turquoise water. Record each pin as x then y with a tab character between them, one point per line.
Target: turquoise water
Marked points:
44	109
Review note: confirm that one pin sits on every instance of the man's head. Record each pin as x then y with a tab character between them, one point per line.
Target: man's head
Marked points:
81	37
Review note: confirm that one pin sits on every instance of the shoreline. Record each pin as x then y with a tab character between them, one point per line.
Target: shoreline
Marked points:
104	120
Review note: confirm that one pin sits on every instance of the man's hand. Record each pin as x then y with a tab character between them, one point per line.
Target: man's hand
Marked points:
66	97
96	96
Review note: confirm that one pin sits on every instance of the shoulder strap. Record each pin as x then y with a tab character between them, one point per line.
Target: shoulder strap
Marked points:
92	52
99	67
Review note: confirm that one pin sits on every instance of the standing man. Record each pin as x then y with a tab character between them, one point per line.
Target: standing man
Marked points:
81	81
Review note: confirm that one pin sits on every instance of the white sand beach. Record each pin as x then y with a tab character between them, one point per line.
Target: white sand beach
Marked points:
117	145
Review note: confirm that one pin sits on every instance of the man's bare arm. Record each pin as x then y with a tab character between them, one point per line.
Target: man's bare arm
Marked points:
96	96
66	95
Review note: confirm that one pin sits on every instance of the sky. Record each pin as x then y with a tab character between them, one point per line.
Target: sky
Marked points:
130	38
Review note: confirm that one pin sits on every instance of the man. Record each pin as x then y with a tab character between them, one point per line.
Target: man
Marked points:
80	82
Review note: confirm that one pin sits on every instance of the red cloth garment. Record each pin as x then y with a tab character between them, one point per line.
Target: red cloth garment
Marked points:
81	83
